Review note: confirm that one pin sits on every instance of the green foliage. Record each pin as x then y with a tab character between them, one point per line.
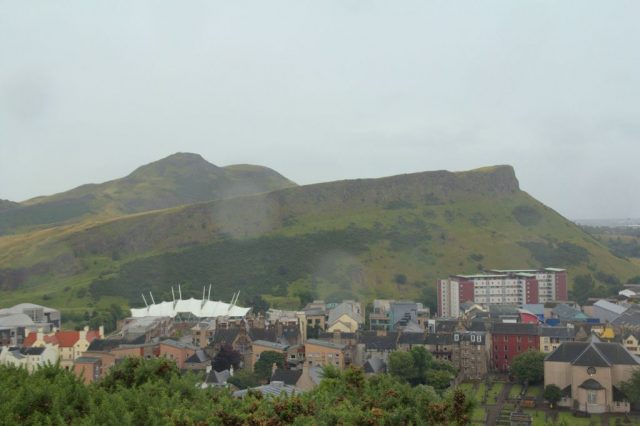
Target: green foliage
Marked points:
631	387
399	204
44	214
583	286
526	215
564	253
252	266
528	367
243	379
552	393
417	367
400	279
151	392
264	366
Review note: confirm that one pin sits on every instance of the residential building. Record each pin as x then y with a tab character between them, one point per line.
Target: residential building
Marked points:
70	344
346	317
590	374
631	342
440	345
552	337
202	333
88	368
470	353
260	346
176	351
511	339
511	287
319	353
29	358
375	344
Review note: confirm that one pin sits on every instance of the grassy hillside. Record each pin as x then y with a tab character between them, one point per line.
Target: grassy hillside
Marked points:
176	180
389	237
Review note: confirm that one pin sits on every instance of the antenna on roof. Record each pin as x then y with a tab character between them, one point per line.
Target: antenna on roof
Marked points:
152	301
204	287
209	296
173	295
145	301
180	291
232	297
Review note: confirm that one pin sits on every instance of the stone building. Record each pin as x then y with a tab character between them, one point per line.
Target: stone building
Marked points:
589	375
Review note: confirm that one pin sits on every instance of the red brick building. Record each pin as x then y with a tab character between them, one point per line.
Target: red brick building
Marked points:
511	339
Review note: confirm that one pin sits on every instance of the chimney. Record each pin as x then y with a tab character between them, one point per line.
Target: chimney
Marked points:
101	331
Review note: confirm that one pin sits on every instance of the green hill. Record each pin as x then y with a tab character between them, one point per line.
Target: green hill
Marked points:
365	238
175	180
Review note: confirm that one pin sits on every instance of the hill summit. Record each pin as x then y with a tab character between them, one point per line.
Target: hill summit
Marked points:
178	179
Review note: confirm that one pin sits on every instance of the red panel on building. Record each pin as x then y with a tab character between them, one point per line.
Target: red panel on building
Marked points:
561	286
531	288
465	290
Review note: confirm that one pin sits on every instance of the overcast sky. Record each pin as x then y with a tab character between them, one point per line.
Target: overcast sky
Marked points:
327	90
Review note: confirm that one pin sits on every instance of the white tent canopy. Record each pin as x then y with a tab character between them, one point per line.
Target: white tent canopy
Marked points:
196	307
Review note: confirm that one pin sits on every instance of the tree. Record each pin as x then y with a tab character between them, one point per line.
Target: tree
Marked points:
244	379
263	367
528	367
631	387
258	304
553	394
401	365
225	358
583	287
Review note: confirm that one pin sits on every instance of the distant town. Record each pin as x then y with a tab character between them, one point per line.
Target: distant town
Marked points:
483	324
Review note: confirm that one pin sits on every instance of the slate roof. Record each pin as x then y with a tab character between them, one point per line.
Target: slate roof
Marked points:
375	365
344	308
198	357
32	351
217	377
269	335
225	335
629	318
105	345
176	344
591	357
372	341
515	328
272	345
567	313
411	339
288	377
478	326
561	332
326	344
439	339
592	354
446	326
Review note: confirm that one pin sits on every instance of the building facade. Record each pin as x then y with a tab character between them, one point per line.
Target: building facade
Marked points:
501	287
